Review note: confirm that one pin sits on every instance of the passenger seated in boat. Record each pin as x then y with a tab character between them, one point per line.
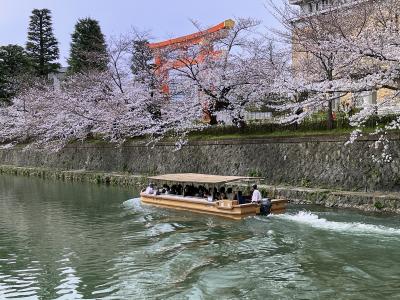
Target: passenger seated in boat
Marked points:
179	189
187	191
215	193
222	195
195	191
200	194
165	189
208	195
229	194
150	189
202	188
240	198
202	191
176	190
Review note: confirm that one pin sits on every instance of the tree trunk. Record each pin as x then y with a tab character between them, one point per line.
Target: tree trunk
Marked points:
239	123
213	119
329	117
209	117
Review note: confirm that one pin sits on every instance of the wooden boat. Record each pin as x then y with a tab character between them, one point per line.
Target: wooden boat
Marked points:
224	208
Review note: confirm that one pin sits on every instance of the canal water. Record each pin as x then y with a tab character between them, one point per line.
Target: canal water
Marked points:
70	241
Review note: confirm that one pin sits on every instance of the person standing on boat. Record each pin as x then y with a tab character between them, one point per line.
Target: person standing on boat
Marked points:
256	197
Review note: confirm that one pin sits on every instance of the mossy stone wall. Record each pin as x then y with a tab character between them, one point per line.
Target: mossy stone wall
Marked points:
309	161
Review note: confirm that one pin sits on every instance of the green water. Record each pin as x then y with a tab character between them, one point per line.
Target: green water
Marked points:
70	241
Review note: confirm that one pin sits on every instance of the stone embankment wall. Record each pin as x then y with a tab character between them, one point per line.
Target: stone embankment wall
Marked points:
118	179
367	201
308	162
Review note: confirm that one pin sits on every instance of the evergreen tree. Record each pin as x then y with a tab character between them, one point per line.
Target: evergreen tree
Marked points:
15	68
88	47
42	46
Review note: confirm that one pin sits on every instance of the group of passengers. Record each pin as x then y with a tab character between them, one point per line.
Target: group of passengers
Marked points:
211	194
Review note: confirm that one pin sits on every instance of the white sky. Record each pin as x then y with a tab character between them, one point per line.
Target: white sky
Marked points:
165	18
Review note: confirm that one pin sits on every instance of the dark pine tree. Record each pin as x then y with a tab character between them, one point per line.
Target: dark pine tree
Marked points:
42	46
15	70
88	47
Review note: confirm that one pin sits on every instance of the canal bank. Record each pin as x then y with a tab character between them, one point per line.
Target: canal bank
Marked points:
311	161
366	201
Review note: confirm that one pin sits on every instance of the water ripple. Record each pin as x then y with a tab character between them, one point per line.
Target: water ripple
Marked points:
71	241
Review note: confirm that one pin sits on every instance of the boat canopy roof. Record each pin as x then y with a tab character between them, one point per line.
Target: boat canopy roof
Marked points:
201	178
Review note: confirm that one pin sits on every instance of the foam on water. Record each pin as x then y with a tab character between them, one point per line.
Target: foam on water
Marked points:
133	203
160	229
315	221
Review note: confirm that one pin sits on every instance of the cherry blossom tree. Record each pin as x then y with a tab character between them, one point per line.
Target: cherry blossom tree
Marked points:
111	105
342	52
314	61
318	58
230	71
89	105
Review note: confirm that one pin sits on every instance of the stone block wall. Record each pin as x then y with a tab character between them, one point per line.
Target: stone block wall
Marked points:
309	161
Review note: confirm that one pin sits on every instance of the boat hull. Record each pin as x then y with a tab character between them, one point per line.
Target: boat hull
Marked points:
224	208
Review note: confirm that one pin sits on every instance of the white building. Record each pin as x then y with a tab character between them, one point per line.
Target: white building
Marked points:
319	6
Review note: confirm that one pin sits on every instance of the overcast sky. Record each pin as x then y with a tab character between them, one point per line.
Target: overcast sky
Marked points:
165	18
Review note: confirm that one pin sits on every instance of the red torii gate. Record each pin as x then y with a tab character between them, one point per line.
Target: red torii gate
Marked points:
184	43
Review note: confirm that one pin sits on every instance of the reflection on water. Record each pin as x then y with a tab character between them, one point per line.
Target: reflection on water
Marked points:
70	241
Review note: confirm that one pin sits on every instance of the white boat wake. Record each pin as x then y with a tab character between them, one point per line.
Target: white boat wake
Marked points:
132	204
315	221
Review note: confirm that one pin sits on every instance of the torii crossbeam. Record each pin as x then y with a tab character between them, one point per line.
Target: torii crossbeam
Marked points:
184	43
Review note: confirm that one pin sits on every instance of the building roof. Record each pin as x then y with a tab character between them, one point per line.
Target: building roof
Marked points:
200	178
